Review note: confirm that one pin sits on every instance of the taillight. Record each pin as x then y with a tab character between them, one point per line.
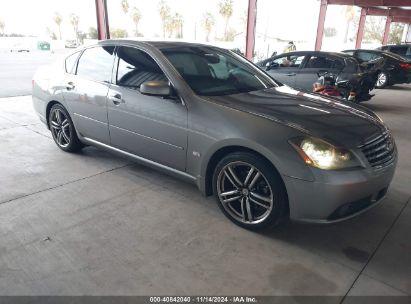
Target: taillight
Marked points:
405	65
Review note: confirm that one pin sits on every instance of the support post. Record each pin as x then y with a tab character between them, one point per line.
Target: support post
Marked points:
386	30
361	26
102	20
251	20
320	26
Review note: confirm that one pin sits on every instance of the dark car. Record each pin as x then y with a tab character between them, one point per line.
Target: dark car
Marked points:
403	50
394	70
301	69
265	150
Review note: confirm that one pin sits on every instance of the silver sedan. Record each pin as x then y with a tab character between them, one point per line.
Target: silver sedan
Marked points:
266	151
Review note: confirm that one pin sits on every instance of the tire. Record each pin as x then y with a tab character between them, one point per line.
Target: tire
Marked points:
62	129
254	197
382	80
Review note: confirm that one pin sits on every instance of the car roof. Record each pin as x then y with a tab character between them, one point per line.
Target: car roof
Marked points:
336	54
386	53
154	43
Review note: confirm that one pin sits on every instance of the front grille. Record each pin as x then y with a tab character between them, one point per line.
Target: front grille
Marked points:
380	150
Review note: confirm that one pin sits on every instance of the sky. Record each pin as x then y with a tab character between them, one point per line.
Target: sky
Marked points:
283	19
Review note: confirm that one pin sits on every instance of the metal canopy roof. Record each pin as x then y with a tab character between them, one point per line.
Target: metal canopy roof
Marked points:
369	3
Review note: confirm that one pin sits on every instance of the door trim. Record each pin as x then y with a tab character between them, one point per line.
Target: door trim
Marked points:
142	160
148	137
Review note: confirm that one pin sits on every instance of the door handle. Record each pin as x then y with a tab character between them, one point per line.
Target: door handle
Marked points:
70	86
116	98
290	74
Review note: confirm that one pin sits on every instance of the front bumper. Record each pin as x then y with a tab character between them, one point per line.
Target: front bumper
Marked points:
335	196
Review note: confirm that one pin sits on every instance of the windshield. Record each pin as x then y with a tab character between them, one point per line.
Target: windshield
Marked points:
213	72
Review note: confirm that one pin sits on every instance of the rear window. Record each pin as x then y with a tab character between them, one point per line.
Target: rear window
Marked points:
324	62
400	50
70	63
367	56
96	63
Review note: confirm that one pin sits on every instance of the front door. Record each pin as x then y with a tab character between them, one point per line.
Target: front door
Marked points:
152	127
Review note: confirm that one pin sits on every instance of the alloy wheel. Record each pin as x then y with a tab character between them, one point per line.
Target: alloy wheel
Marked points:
60	128
244	192
381	80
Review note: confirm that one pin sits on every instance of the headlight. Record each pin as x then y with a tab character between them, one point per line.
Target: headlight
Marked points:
320	154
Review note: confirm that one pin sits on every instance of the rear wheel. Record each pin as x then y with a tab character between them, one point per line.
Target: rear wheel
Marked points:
249	191
62	129
382	80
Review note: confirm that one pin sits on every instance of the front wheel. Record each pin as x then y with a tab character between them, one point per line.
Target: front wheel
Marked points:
249	191
62	129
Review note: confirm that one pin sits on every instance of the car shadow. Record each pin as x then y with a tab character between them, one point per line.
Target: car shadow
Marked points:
398	88
351	242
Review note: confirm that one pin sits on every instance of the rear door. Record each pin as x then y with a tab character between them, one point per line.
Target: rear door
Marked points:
315	64
152	127
285	68
86	92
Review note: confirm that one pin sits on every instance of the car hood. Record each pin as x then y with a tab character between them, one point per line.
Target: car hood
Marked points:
339	122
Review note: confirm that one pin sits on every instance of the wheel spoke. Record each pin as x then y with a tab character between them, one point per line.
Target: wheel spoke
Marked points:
250	173
229	200
55	125
243	209
58	117
60	137
256	176
248	208
237	180
229	193
65	123
66	138
258	203
260	197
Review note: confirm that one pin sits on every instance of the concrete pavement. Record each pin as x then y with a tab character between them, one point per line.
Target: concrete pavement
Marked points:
96	224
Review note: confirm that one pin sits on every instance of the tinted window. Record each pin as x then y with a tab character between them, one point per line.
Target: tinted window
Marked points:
400	50
211	71
293	61
70	62
136	67
367	56
323	62
96	63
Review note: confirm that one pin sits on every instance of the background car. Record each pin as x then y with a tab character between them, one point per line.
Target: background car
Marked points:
301	69
394	70
19	47
403	50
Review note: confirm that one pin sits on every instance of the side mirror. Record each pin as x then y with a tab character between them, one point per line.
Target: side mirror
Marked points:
156	88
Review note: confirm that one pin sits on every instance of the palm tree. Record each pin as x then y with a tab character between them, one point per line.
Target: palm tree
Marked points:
136	17
2	26
226	10
178	25
74	20
349	17
125	6
208	23
164	11
58	19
